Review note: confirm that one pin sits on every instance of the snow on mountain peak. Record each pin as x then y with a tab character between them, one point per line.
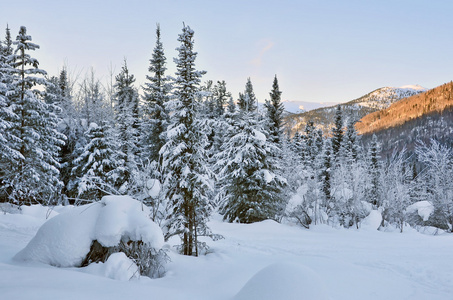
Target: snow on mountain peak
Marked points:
413	87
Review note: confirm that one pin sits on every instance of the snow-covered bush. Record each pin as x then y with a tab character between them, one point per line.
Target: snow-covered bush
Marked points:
91	233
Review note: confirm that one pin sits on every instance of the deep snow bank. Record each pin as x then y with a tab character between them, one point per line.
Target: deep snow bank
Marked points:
65	239
283	281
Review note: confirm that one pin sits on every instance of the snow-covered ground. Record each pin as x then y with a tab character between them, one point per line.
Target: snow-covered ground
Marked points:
256	261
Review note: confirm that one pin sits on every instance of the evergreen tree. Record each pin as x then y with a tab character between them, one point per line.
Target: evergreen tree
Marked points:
96	165
325	173
337	133
251	189
274	108
127	125
206	98
374	172
33	175
220	96
231	107
350	142
308	146
247	101
157	93
187	185
7	115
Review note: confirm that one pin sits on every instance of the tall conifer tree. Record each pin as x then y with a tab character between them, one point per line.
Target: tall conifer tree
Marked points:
157	93
127	125
274	108
187	185
32	176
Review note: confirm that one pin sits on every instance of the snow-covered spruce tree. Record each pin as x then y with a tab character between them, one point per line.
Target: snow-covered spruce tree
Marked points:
251	189
156	94
220	95
274	110
291	163
337	133
32	176
187	185
374	173
349	180
350	142
231	106
70	126
305	206
8	155
438	178
247	101
96	165
126	129
325	174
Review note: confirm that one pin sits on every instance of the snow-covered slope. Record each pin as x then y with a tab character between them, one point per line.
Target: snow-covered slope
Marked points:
328	263
384	97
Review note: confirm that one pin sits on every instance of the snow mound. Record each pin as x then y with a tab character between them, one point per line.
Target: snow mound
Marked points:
65	239
372	221
38	211
118	266
153	186
283	281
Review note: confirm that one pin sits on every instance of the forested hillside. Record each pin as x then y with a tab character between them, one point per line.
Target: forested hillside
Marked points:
434	101
355	109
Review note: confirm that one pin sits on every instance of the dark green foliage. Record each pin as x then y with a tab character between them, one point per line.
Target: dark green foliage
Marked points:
247	101
274	109
337	133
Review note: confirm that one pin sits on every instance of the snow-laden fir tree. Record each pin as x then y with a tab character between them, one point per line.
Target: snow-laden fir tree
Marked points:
325	175
247	101
7	114
337	133
187	184
71	126
126	127
157	90
350	142
349	180
97	165
221	96
274	110
251	189
374	173
32	176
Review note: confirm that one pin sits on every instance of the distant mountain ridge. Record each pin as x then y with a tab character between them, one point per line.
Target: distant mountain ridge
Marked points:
434	100
297	107
376	100
421	117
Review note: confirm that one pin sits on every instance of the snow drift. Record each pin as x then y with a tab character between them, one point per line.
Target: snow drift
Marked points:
65	239
283	281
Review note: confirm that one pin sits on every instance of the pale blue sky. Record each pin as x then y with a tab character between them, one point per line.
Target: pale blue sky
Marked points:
320	50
